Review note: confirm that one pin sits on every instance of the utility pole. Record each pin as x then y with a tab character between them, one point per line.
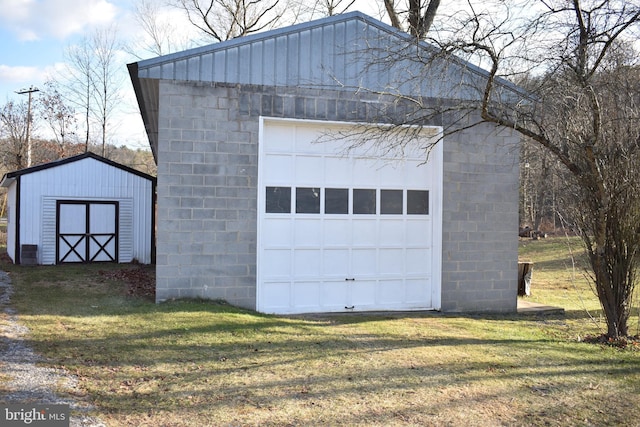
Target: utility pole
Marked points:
30	91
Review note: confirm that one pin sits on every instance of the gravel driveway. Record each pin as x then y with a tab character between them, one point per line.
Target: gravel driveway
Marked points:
30	383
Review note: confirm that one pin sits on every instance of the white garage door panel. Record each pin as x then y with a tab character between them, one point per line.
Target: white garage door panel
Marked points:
276	295
307	262
418	261
346	261
307	233
285	142
280	168
418	233
333	296
365	172
306	294
363	294
364	232
337	171
277	233
276	263
417	292
391	176
391	292
306	140
363	263
336	232
391	262
416	171
309	170
392	233
335	263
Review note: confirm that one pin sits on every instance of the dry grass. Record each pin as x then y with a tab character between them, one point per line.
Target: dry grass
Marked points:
198	363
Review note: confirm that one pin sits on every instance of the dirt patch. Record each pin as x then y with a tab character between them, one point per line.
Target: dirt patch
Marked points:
632	343
140	280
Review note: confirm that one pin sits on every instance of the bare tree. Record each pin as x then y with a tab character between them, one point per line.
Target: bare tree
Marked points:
92	81
416	17
582	106
106	78
78	81
542	182
58	115
227	19
13	130
307	10
162	35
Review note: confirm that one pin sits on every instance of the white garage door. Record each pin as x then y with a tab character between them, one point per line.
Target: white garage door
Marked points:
346	230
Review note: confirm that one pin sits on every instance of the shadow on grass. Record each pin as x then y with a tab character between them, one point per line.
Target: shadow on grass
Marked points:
198	359
275	364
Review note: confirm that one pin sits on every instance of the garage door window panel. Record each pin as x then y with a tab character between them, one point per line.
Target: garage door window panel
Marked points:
364	201
417	202
391	202
308	200
278	200
336	201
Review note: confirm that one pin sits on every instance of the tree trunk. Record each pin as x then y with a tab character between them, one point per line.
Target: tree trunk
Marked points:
612	255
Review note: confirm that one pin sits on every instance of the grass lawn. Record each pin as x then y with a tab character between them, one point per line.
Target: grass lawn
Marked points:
197	363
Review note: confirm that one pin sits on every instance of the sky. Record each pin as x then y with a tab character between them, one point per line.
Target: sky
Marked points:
34	35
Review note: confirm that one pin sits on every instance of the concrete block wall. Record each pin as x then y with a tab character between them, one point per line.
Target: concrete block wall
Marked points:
480	243
207	193
207	174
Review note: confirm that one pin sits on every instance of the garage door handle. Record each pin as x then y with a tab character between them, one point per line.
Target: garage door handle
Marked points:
350	280
350	308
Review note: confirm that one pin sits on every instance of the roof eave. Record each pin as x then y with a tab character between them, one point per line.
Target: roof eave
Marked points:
144	111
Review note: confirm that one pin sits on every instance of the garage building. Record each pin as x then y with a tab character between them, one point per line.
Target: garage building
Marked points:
281	188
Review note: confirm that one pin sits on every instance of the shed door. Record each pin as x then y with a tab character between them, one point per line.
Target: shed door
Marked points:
86	231
345	231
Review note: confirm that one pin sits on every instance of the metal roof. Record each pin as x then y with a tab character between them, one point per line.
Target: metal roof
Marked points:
10	177
341	52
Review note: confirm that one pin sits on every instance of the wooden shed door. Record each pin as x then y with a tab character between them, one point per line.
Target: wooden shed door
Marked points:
86	231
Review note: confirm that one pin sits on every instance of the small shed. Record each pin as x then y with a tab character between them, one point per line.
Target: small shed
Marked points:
80	209
261	204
